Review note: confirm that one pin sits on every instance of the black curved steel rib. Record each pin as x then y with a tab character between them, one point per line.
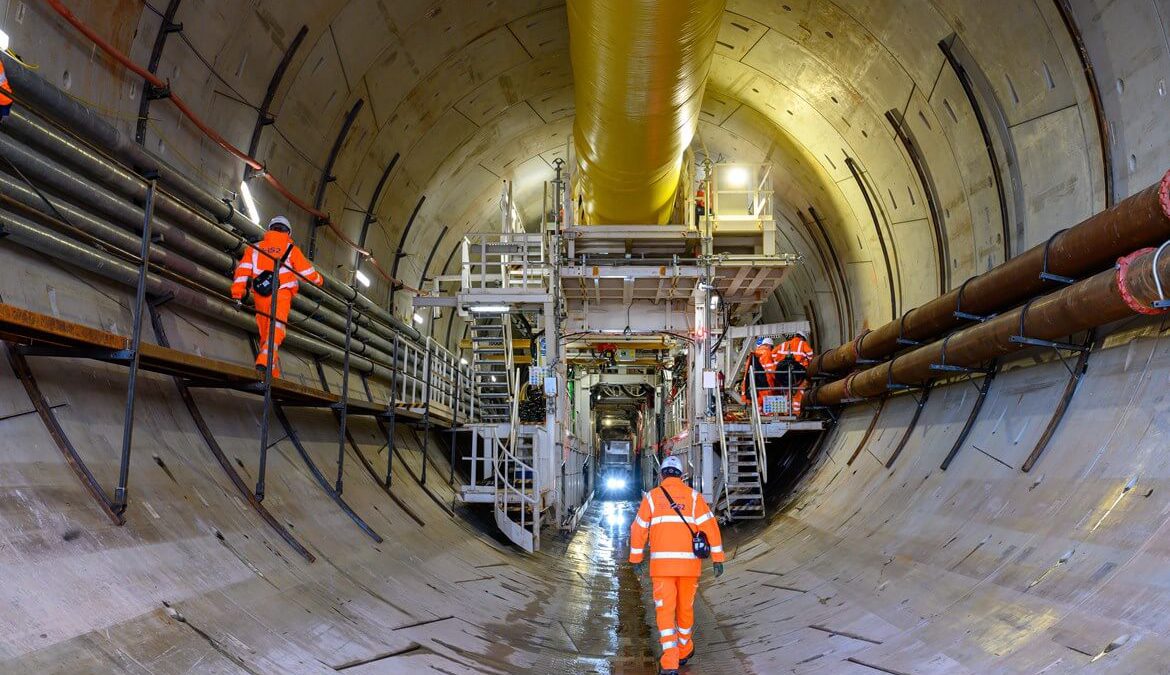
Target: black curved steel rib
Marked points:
320	477
22	371
218	453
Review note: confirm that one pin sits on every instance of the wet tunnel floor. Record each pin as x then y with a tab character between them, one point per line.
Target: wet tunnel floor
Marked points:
616	633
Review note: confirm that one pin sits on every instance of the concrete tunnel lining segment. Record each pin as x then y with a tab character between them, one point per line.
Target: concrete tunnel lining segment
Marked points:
979	568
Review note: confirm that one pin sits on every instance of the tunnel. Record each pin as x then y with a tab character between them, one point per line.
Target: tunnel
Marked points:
969	201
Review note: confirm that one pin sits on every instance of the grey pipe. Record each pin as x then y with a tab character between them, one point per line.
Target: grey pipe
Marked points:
81	120
28	234
41	170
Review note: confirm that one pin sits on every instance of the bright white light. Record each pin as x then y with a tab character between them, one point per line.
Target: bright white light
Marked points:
493	378
3	41
615	484
362	278
418	318
737	177
249	203
490	308
463	361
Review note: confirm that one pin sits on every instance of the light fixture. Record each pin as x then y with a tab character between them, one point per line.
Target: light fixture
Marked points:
249	203
463	362
490	308
737	176
613	484
3	41
361	278
493	378
418	318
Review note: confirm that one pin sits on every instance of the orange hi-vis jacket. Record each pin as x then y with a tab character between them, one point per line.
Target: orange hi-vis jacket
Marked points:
797	347
5	88
274	244
763	354
671	553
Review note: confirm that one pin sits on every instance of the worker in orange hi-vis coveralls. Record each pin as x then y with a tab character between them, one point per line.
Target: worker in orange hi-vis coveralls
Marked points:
762	369
256	266
672	516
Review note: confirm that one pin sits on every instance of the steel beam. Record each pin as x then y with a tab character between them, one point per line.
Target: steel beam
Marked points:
150	93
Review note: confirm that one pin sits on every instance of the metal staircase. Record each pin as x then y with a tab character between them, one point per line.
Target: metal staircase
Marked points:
744	486
517	497
744	463
491	364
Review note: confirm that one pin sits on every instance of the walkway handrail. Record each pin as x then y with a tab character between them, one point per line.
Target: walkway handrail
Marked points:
757	432
723	443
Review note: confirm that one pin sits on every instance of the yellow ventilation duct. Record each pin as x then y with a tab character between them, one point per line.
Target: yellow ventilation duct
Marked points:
639	68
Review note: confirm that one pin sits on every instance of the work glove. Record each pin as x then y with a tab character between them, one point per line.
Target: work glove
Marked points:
239	303
718	569
640	568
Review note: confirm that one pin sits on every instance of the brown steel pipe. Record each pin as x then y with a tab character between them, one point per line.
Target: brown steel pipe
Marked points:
1090	246
1115	294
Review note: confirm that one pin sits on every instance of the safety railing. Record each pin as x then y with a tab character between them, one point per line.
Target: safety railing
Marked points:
725	471
449	379
517	509
757	428
510	262
576	481
741	192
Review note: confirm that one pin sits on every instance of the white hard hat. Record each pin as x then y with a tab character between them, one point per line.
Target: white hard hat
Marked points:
672	462
767	341
280	220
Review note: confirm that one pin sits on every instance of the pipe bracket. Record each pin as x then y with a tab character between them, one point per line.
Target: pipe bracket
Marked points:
1161	302
1022	339
902	339
950	367
967	316
1045	275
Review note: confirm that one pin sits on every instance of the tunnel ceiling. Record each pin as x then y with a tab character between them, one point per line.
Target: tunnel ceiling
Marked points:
469	94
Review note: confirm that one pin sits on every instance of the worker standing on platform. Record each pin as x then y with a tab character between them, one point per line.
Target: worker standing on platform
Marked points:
761	368
791	359
257	266
680	530
5	93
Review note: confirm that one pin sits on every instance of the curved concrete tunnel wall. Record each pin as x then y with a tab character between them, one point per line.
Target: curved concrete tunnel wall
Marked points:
976	569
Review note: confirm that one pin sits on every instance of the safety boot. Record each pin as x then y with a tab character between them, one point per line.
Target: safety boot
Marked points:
688	657
668	672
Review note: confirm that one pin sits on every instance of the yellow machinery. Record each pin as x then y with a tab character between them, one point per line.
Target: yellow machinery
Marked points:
639	67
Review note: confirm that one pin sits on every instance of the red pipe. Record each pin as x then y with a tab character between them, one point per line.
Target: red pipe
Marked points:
1090	246
1127	289
222	142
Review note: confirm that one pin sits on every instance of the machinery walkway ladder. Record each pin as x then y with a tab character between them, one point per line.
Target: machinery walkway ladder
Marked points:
744	486
491	364
517	486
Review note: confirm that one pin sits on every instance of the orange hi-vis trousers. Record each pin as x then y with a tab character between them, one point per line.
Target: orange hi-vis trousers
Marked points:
674	608
284	299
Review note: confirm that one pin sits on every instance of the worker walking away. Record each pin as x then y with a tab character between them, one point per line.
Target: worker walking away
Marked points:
761	369
257	266
5	93
680	530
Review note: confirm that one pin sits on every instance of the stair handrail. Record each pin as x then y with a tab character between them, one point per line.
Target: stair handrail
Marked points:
507	464
723	442
509	357
757	431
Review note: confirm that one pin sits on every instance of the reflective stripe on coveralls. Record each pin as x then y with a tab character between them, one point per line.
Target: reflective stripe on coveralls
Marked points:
263	258
5	88
674	568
